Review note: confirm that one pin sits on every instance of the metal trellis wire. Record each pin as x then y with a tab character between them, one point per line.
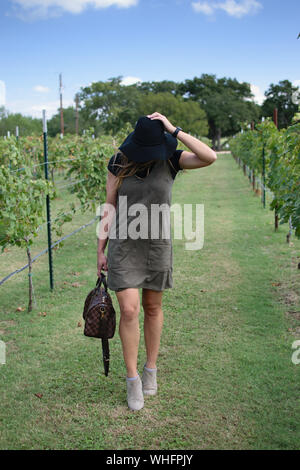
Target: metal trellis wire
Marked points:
46	249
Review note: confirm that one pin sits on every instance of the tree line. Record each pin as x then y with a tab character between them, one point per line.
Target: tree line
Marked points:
204	106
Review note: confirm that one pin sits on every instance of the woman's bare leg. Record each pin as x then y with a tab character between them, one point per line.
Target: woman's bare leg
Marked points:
153	323
129	330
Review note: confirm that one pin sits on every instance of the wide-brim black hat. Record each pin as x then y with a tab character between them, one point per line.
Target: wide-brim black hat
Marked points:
148	141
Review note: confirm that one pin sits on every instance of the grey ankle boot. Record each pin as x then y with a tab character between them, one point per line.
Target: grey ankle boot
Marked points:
149	382
135	396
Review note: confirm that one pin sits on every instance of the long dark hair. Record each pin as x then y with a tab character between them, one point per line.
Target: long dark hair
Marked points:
129	167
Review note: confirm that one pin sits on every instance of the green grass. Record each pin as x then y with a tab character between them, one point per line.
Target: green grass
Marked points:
226	379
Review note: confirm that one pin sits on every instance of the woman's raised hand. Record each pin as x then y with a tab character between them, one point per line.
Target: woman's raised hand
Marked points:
168	126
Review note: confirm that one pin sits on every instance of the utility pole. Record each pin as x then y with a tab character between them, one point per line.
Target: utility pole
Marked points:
61	107
77	117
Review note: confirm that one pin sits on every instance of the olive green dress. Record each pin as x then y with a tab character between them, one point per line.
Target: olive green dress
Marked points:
145	262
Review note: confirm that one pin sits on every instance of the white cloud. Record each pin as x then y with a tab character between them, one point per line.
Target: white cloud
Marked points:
235	8
2	93
130	80
259	96
296	83
43	8
51	107
28	108
296	94
41	89
203	7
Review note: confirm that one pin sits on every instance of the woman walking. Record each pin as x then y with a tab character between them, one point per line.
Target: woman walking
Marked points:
141	176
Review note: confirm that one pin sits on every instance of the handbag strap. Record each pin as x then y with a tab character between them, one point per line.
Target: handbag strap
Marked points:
101	279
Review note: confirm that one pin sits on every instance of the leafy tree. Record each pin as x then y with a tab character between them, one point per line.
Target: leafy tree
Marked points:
69	122
108	106
296	117
27	125
225	101
186	114
280	97
166	86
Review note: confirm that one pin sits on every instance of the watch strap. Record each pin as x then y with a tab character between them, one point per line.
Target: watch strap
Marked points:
176	131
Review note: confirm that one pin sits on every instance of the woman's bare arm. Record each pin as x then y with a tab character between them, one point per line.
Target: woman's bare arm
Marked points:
105	222
201	154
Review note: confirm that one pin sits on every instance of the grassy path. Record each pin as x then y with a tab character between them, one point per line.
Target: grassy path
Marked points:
226	379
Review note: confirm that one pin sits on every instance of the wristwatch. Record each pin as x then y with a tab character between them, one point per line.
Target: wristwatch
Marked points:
176	131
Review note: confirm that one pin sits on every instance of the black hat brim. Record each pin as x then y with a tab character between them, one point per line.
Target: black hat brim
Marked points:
141	153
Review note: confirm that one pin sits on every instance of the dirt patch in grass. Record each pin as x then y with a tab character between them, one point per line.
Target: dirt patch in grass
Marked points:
288	289
7	323
11	346
293	314
294	331
288	294
293	317
4	325
291	298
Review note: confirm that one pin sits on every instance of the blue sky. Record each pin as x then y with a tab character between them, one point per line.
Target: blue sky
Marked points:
89	40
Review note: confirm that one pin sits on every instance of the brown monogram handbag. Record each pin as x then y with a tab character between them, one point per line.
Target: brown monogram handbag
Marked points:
100	317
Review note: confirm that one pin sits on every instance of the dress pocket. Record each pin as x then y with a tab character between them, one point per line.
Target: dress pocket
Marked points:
160	255
122	254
